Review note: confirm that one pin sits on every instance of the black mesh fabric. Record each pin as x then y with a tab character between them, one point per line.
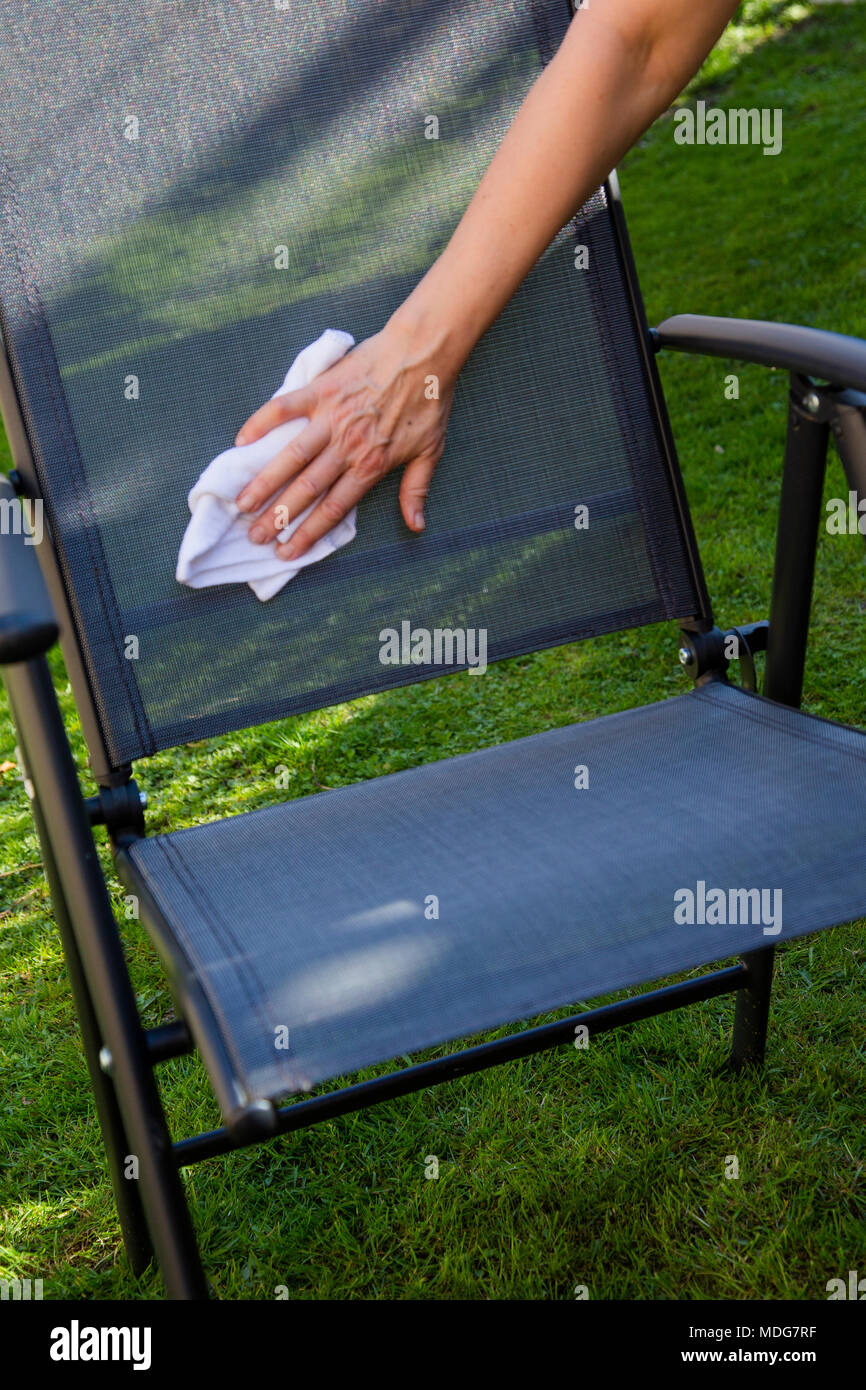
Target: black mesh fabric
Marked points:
317	916
153	162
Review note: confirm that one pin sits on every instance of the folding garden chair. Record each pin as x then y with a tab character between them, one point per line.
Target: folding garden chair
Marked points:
158	174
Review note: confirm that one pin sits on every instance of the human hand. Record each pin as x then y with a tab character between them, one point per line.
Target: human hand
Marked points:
384	405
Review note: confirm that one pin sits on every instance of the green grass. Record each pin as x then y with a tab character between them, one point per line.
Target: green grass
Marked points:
602	1168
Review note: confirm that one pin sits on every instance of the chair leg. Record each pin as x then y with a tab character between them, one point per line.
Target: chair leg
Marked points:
136	1237
152	1208
162	1196
752	1010
87	916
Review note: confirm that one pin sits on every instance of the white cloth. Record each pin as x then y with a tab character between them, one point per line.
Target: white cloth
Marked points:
216	548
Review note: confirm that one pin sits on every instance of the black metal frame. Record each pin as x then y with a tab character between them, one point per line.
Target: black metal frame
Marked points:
422	1075
130	1109
121	1054
813	410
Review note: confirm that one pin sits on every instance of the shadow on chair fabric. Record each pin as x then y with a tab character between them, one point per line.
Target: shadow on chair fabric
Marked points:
192	206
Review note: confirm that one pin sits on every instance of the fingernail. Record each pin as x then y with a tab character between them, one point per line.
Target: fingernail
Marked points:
287	551
257	534
419	521
242	502
240	438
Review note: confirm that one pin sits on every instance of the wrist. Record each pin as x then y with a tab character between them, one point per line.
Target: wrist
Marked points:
428	325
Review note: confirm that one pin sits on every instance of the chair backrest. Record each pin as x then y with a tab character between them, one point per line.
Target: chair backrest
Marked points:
192	192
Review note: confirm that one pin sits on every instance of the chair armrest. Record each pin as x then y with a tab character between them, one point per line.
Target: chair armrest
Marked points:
814	409
28	626
832	357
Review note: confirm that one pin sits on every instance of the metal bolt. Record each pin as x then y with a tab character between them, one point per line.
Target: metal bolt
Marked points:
812	402
685	656
106	1061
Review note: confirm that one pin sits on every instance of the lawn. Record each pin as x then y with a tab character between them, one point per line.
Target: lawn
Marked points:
603	1168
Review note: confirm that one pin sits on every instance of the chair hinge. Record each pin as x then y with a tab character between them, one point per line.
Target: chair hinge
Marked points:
119	809
706	655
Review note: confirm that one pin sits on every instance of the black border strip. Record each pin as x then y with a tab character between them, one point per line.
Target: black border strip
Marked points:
18	256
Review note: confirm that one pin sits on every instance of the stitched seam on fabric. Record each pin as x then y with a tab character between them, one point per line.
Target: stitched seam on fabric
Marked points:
660	577
197	893
621	405
743	712
190	953
763	701
63	422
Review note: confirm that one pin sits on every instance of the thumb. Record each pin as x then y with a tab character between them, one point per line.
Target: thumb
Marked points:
414	489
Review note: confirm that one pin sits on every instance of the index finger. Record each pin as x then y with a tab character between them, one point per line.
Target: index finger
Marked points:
287	406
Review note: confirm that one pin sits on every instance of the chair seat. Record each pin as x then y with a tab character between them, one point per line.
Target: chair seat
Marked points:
360	924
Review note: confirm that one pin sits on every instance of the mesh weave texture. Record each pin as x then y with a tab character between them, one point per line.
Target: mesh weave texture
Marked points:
152	164
313	915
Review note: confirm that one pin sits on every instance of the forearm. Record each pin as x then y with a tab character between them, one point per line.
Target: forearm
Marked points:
619	66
